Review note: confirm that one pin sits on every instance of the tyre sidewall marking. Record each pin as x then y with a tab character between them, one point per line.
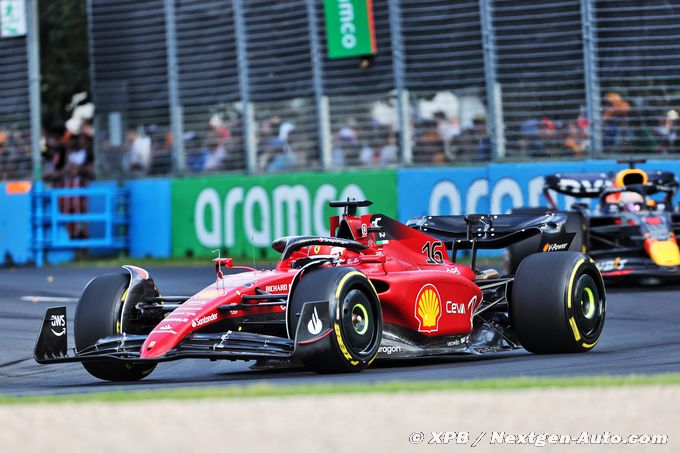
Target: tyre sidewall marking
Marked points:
571	320
336	324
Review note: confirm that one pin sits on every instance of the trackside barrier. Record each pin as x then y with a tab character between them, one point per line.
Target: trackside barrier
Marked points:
99	223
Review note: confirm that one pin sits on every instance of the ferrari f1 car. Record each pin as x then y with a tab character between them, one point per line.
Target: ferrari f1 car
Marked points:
375	288
631	234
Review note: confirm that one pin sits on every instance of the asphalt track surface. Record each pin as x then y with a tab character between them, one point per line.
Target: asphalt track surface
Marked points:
641	336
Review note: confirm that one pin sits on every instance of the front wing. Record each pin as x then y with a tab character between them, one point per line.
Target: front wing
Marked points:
51	346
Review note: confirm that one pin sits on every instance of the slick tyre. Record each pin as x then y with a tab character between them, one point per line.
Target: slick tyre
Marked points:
354	314
558	303
97	316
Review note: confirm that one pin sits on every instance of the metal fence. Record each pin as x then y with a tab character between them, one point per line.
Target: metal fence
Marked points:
15	140
189	86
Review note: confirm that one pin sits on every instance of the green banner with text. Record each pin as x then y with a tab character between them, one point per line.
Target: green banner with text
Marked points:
242	215
350	29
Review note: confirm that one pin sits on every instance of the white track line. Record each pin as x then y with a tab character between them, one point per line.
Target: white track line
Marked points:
36	299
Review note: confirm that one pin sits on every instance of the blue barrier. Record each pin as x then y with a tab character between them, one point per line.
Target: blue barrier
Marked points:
105	219
495	188
15	224
150	218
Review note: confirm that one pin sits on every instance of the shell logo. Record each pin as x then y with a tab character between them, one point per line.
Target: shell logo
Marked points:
428	309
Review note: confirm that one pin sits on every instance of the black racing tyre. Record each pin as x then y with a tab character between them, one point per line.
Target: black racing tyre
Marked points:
97	316
355	317
558	303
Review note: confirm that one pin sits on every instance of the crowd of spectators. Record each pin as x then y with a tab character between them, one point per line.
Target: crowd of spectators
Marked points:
638	124
68	162
15	154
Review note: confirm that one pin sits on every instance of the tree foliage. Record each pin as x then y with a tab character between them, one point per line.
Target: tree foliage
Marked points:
64	56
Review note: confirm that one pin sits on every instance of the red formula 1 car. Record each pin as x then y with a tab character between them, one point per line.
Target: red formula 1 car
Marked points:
376	288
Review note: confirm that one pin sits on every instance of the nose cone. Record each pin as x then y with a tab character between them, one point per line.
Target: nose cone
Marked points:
160	341
665	253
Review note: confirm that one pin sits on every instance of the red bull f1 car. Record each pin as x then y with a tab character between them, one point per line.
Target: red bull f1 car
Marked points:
376	288
631	233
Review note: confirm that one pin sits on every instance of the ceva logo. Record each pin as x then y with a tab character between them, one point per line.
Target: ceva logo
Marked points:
277	213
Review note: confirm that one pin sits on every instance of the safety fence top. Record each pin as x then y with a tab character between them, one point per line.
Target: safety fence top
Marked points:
260	86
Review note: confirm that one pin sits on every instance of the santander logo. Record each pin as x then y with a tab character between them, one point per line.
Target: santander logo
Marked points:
204	320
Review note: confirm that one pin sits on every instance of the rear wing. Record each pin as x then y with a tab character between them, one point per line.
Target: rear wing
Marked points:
593	185
485	231
579	185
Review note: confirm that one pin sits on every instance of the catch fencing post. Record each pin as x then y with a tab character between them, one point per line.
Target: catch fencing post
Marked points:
248	113
322	108
402	95
494	116
33	49
591	77
178	160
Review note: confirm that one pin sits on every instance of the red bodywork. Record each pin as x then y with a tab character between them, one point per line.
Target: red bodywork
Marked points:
420	289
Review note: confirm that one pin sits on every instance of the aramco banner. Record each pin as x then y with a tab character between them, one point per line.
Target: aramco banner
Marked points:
350	29
242	215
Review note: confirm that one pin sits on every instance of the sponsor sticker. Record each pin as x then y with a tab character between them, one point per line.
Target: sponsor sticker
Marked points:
204	320
389	350
58	322
555	247
428	309
455	308
612	265
276	288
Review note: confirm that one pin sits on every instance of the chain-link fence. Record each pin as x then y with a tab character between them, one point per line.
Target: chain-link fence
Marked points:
638	66
190	86
451	82
15	140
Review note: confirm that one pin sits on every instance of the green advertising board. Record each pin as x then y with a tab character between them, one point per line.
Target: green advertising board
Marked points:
242	215
350	30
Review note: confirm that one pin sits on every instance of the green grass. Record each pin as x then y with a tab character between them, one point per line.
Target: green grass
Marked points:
268	390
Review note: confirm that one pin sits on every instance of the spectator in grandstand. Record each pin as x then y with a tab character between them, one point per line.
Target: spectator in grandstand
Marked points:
78	173
286	158
643	139
576	140
139	152
4	155
346	146
667	132
448	130
473	144
429	147
54	160
614	114
389	154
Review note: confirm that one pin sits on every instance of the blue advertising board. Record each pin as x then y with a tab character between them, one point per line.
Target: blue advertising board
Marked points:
495	188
